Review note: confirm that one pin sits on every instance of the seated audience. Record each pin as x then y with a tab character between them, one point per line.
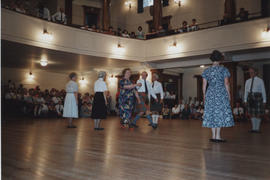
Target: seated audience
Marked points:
185	115
199	113
266	116
85	110
59	17
243	14
140	33
43	110
59	109
238	112
166	112
193	111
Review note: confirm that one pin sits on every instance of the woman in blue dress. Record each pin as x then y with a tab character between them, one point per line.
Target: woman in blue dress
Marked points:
127	98
217	113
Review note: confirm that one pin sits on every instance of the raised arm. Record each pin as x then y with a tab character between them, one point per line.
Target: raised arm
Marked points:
227	85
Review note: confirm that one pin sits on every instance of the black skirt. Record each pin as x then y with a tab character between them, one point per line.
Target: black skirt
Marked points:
99	109
156	106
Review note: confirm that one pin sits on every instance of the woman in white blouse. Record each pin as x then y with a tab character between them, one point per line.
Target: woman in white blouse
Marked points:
156	106
99	110
71	100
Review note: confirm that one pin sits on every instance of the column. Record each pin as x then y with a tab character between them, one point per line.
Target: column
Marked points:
232	67
157	15
106	17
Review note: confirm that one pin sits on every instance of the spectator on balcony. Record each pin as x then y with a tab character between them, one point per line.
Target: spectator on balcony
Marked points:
140	33
132	35
243	14
20	8
93	28
43	12
184	27
110	31
119	32
161	31
59	17
194	26
125	33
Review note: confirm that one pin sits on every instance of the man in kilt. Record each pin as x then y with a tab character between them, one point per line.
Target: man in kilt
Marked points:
145	92
255	99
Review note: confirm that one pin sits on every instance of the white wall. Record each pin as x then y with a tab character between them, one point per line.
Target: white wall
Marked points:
203	10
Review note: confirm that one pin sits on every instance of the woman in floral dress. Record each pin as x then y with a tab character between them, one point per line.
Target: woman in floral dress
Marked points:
127	98
217	112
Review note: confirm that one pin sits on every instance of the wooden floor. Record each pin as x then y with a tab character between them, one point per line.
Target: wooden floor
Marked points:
46	149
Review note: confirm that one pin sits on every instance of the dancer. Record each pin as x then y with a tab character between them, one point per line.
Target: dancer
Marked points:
126	98
145	91
255	99
217	112
99	110
71	100
156	107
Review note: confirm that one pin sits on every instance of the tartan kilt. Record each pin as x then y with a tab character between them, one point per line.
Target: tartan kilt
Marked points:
144	105
156	106
257	108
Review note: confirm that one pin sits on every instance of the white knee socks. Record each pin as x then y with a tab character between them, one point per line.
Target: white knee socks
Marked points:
256	123
155	118
97	122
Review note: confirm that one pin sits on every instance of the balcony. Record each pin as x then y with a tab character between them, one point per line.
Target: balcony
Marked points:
29	30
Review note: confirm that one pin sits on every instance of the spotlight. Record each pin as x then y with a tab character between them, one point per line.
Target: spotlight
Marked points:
128	3
46	36
178	2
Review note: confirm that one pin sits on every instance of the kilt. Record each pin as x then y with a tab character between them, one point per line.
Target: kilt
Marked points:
156	106
144	105
257	107
99	110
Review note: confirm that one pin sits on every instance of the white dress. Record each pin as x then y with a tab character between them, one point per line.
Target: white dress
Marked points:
70	106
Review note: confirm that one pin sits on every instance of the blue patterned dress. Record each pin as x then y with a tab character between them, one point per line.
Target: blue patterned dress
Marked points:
217	110
126	101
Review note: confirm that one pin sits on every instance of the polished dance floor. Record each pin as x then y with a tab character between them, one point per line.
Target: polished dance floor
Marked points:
46	149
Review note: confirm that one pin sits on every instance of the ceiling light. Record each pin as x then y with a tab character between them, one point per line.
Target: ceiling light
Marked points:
202	66
43	62
266	33
128	3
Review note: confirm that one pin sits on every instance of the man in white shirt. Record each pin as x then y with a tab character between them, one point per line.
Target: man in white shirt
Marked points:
59	17
145	91
156	107
255	99
176	111
238	112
